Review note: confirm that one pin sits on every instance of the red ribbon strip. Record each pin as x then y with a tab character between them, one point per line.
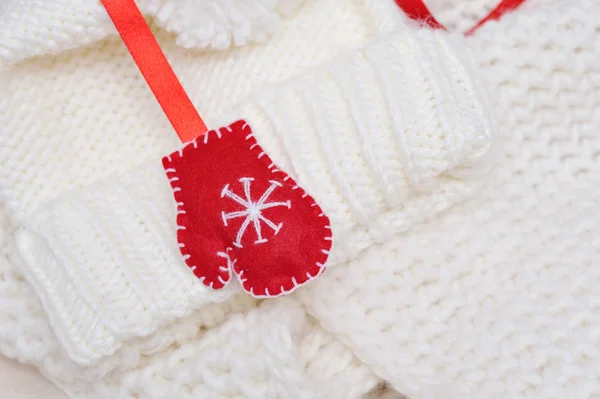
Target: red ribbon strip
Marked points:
155	68
497	13
417	10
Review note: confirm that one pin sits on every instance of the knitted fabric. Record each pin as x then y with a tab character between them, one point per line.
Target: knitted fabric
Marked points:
490	298
502	290
460	16
130	127
30	28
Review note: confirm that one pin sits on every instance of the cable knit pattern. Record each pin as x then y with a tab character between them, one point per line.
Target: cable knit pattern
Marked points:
498	298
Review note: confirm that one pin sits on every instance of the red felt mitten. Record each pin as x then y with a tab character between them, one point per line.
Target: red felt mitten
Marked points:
237	212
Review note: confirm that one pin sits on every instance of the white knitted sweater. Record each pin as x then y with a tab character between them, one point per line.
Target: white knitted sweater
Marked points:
442	283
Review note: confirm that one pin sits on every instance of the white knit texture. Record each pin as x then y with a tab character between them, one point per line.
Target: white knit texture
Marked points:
460	16
31	27
377	159
99	91
107	265
94	100
274	351
499	297
496	297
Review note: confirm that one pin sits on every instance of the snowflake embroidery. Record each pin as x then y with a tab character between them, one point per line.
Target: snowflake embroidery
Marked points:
252	210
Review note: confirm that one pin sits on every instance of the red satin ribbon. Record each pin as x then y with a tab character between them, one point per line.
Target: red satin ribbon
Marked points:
155	68
417	10
501	9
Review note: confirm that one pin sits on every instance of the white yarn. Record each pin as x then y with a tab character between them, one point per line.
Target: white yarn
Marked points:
460	16
219	24
495	298
31	28
118	240
4	237
120	136
269	352
498	298
377	163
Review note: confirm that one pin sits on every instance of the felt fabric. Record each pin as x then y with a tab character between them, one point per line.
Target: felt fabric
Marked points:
238	213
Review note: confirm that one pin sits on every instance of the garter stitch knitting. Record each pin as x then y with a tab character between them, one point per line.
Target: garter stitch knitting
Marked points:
465	261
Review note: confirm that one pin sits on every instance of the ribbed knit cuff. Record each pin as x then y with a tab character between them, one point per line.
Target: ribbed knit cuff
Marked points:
231	350
383	138
106	264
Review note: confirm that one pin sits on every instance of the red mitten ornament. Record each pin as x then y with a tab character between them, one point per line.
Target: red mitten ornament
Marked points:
238	213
